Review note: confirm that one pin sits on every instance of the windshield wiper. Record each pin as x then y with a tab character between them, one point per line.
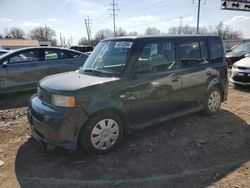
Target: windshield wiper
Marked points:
94	71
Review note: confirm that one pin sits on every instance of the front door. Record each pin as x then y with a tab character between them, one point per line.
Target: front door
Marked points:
23	70
155	92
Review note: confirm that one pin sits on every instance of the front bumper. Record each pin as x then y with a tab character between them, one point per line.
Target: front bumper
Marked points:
55	126
243	79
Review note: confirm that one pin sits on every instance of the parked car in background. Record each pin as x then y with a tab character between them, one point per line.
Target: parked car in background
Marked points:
241	72
129	83
237	54
83	48
3	52
22	69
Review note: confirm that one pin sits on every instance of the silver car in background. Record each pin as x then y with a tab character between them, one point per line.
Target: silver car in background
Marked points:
22	69
241	72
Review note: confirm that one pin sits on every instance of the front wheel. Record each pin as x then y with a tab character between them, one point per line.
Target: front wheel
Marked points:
213	101
102	133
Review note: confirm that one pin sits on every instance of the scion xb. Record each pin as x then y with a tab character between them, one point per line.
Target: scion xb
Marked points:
129	83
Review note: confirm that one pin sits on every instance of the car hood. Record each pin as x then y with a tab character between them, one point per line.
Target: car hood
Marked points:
235	54
71	81
245	62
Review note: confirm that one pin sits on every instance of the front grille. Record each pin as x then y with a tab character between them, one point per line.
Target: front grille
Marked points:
44	95
243	68
244	78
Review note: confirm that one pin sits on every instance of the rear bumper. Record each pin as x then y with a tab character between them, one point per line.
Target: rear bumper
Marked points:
53	126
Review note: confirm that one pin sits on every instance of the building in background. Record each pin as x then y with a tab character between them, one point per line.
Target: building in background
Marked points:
11	44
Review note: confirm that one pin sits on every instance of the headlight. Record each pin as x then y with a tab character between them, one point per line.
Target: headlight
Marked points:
234	67
63	101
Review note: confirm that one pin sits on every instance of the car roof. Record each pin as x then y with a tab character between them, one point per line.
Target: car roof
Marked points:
39	47
160	37
2	50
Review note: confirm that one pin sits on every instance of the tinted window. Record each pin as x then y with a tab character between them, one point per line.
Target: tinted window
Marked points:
73	54
27	56
204	50
216	54
193	53
157	57
51	54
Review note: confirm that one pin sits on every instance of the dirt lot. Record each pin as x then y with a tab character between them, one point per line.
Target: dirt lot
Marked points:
192	151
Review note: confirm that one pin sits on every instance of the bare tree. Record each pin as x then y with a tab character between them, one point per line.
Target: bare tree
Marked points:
15	33
54	42
121	32
83	41
226	32
102	34
187	30
152	31
133	33
42	33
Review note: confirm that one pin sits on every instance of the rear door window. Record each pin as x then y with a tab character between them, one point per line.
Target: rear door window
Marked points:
51	55
216	53
157	57
193	53
55	54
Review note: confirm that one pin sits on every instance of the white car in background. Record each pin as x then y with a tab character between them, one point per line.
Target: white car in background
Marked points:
241	71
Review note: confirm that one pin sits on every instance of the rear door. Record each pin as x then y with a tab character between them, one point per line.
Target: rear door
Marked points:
23	70
156	91
58	61
194	61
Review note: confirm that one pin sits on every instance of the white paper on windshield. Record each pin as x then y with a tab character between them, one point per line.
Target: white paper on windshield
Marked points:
123	44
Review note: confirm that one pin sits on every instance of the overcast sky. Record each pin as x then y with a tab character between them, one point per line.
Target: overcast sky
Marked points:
67	16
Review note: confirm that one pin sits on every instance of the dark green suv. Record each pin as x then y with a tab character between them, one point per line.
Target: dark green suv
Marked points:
129	83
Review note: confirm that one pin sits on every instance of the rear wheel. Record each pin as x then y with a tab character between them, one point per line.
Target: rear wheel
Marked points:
102	133
213	101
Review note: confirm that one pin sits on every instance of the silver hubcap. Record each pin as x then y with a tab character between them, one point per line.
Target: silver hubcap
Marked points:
214	101
104	134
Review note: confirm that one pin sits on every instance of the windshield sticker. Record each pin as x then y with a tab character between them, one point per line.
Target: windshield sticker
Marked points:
123	44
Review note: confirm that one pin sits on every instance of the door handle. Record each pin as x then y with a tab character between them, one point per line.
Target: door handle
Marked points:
175	78
208	73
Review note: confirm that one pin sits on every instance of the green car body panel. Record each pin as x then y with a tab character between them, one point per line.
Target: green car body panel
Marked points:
138	99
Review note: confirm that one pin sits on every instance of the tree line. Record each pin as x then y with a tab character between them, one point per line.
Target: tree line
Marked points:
47	34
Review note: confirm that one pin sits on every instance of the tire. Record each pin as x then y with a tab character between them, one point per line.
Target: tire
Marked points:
102	133
213	101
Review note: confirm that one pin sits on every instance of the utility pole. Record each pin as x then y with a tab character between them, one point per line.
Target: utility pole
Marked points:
181	18
61	40
114	10
46	35
86	24
198	17
90	38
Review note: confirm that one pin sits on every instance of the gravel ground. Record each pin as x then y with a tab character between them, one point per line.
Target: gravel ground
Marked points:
191	151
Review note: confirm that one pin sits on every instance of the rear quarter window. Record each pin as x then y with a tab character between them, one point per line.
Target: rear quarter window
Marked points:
216	50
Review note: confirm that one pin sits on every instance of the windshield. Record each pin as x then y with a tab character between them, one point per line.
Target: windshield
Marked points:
108	57
242	47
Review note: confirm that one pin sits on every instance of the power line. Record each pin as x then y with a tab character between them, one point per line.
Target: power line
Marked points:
114	10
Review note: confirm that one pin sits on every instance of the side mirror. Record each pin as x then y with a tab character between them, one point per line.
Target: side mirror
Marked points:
4	64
